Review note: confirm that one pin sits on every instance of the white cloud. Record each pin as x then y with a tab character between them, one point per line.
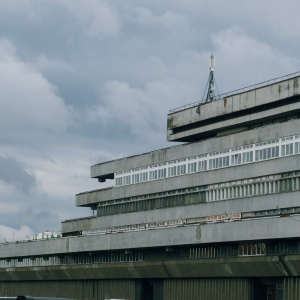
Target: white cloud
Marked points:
27	100
243	57
44	63
155	57
284	18
13	173
129	106
13	234
17	6
97	17
168	19
141	110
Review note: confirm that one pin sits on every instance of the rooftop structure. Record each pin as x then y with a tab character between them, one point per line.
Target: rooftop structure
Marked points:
218	213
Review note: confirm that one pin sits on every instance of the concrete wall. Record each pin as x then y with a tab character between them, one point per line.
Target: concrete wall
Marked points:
204	289
233	104
168	269
251	266
187	150
262	168
187	289
80	289
238	205
233	231
237	123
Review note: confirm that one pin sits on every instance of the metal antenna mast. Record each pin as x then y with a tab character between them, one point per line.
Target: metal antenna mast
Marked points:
211	81
210	86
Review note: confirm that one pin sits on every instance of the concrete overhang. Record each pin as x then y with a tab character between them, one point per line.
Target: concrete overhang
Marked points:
234	231
238	267
254	135
256	169
205	209
234	111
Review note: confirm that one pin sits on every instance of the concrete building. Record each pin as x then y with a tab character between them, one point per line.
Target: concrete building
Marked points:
217	217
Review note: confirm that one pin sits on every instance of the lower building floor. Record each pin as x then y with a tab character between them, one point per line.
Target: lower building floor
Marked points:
252	288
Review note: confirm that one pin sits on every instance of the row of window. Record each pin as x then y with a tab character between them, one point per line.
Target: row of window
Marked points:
254	189
252	249
198	188
168	253
151	203
231	157
196	220
247	249
251	187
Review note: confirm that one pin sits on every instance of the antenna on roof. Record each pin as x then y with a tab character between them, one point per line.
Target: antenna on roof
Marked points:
211	81
210	86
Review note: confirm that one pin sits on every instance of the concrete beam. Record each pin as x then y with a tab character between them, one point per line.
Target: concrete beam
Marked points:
256	169
233	231
255	135
259	266
248	204
253	104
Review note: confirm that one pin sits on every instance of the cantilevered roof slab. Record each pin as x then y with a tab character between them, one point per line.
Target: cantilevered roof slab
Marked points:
234	112
255	135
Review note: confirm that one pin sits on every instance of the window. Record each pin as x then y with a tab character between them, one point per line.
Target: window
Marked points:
252	249
297	148
127	179
236	159
275	151
181	170
226	161
287	149
136	178
219	159
202	165
192	167
153	175
172	171
247	157
119	181
144	176
162	173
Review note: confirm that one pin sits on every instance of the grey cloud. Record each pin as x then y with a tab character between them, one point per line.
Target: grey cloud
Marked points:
27	97
98	18
10	234
13	173
87	81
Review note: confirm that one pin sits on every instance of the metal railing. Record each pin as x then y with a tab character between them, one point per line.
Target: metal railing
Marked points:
78	219
238	91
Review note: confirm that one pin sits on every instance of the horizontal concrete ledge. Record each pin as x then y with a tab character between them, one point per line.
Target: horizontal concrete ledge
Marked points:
252	136
239	122
255	100
233	231
257	266
205	209
254	169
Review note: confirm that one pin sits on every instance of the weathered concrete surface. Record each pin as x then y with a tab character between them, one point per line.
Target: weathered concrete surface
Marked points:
252	136
256	169
263	266
252	106
238	205
232	231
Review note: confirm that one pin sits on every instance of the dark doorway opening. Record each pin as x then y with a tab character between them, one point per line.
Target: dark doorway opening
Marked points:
146	290
271	292
264	290
149	289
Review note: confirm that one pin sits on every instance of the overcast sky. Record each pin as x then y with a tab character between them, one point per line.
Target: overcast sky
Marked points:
86	81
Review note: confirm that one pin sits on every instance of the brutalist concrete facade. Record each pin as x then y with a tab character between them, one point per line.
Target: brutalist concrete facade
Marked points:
220	212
